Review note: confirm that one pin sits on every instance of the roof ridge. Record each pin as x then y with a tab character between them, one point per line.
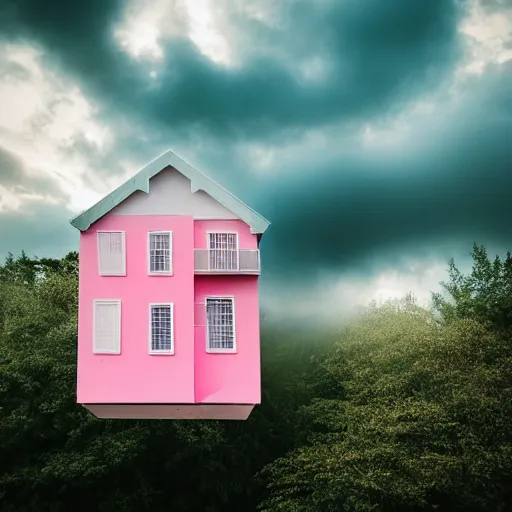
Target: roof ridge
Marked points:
215	182
257	222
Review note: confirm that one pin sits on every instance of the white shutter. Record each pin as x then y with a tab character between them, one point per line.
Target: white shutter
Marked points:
107	327
111	253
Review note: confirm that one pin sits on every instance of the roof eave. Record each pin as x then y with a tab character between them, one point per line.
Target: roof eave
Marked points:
140	182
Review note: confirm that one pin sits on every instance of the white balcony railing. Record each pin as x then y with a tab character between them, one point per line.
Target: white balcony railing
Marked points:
222	261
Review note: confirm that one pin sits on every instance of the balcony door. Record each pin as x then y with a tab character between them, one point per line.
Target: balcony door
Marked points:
223	251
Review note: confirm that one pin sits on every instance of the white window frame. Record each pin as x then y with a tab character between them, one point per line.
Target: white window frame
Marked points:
106	301
159	272
208	233
210	350
122	272
151	351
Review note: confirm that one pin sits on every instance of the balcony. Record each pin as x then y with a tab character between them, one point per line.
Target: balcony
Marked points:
222	261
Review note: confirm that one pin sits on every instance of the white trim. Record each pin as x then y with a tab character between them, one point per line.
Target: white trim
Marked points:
105	301
150	318
123	238
216	232
148	254
226	231
220	219
220	350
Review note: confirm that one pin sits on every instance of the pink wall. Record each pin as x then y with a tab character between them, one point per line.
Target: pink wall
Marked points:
191	374
246	240
134	375
229	378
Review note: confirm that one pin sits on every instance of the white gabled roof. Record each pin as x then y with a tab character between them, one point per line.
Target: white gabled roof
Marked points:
199	181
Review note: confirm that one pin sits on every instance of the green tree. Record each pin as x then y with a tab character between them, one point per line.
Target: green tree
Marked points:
26	271
484	294
421	421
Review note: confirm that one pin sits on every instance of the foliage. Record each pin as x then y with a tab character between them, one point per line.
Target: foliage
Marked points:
484	294
423	421
25	270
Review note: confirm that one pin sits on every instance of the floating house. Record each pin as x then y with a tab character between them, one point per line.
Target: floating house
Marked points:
168	323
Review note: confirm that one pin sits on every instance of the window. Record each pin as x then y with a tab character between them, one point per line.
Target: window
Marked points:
220	324
107	326
111	253
223	251
161	326
160	252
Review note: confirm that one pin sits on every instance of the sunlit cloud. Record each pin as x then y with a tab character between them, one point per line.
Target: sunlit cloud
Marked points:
147	25
488	36
41	116
205	34
144	25
18	198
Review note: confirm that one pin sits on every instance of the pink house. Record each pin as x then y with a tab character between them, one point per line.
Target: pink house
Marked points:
168	323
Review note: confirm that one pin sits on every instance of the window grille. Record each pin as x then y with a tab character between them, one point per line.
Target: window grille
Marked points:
112	253
160	253
116	243
220	324
223	251
107	327
161	328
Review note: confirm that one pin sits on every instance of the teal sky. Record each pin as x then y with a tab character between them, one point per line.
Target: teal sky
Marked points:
375	136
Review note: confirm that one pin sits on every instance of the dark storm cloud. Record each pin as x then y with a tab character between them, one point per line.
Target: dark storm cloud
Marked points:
379	53
453	188
13	176
330	210
10	167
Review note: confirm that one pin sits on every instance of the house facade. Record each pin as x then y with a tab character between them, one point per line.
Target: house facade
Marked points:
168	323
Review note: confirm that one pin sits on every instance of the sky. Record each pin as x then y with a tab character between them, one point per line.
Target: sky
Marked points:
375	136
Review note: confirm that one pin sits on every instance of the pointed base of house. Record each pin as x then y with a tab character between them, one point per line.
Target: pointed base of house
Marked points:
171	411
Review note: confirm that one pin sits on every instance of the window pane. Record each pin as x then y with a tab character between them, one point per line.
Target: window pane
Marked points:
161	328
223	252
221	334
116	242
159	252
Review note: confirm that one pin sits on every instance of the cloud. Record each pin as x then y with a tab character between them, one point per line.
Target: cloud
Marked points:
488	31
10	168
374	135
445	178
53	135
42	116
17	187
377	55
